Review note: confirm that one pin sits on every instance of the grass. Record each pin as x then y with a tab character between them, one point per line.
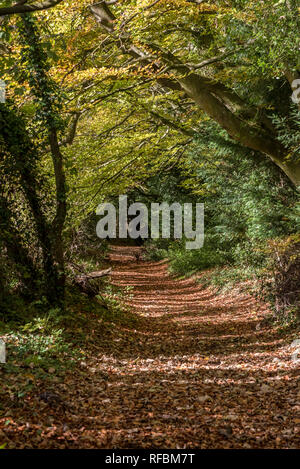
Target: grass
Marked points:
225	278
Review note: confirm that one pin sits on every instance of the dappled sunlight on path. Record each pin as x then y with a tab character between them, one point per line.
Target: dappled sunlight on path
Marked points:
200	370
191	370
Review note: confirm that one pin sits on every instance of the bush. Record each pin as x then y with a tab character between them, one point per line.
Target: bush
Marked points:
187	262
281	284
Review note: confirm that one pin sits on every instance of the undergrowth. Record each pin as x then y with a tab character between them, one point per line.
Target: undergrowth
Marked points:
43	344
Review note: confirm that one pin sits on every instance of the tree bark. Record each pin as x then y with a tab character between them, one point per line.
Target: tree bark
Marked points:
22	161
45	91
61	205
16	251
23	8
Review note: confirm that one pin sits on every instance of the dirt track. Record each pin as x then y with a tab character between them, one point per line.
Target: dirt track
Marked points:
196	370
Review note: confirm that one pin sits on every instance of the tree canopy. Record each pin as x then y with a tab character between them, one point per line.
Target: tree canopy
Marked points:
112	95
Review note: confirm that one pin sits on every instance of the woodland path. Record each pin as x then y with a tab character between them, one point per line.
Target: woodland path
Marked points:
194	370
206	372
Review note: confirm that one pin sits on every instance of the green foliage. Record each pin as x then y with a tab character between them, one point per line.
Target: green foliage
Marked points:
247	199
40	349
184	261
281	278
193	261
38	344
288	128
136	134
224	278
247	203
270	49
35	66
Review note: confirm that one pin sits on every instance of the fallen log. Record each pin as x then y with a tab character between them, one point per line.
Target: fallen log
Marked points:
87	282
91	275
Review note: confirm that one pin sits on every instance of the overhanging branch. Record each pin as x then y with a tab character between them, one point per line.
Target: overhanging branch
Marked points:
25	8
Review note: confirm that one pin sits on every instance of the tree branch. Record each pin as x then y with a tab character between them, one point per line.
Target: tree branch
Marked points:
218	101
22	7
173	125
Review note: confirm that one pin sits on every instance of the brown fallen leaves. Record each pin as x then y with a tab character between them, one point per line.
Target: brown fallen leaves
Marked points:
194	371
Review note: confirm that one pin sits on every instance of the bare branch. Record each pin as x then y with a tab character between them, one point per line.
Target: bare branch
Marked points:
22	7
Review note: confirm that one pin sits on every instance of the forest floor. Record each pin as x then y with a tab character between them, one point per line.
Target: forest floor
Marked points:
191	369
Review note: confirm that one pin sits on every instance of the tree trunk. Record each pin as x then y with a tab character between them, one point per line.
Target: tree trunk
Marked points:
46	93
61	207
15	250
22	160
248	135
